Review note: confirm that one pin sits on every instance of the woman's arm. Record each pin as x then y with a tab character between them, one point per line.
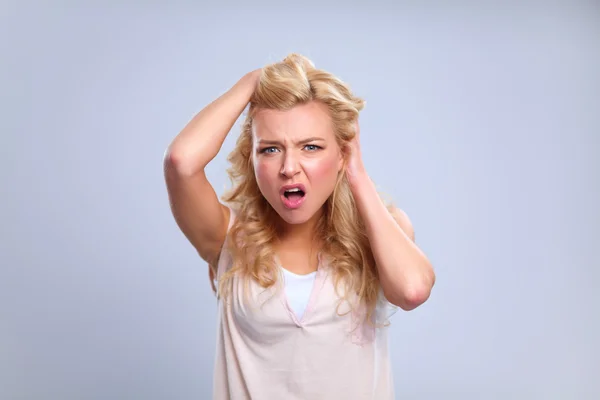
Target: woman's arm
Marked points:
194	203
201	139
405	272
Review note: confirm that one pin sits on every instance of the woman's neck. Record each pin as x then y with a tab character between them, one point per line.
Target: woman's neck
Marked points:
298	236
297	248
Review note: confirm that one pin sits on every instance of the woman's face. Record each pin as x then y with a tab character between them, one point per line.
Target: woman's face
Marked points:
296	159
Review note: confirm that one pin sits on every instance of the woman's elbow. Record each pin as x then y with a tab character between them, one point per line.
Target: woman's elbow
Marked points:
414	296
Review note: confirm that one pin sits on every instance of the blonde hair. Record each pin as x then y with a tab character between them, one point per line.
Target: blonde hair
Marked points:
283	85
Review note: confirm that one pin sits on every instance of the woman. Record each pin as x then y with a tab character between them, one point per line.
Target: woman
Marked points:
308	260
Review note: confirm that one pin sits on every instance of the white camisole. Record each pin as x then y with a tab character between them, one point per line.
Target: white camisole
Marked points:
298	289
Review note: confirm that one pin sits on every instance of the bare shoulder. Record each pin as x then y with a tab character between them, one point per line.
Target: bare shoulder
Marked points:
403	221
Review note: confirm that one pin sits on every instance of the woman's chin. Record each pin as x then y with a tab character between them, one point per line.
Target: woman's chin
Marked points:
298	216
294	217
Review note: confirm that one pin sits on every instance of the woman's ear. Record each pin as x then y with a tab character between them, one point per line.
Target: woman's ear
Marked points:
343	158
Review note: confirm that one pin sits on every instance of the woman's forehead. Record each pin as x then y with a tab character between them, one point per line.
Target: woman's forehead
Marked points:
298	123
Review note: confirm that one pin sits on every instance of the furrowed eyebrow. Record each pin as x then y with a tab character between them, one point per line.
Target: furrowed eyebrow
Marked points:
303	141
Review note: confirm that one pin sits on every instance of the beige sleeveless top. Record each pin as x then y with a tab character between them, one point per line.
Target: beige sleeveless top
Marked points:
265	352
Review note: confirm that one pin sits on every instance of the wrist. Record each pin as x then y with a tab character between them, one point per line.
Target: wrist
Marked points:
358	178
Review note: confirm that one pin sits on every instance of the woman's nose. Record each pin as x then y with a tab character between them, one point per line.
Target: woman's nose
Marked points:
289	167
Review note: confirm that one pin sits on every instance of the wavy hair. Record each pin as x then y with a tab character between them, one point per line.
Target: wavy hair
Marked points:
283	85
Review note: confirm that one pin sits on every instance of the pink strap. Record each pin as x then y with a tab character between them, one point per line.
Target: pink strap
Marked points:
225	258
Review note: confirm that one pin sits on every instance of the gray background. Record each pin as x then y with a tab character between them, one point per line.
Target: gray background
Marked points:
481	123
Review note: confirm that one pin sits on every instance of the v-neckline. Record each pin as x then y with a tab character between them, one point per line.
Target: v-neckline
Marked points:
312	299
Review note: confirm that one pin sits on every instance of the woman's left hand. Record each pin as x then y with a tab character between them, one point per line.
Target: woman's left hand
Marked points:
355	166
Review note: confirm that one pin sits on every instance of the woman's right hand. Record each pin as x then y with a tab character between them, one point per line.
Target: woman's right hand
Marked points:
250	80
254	76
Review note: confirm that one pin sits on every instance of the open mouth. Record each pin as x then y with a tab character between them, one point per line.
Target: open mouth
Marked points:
293	196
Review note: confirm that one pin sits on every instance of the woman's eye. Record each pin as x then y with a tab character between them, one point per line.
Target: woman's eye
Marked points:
311	147
268	150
